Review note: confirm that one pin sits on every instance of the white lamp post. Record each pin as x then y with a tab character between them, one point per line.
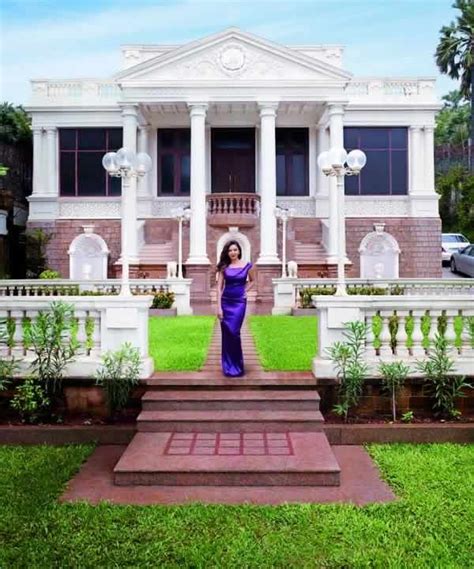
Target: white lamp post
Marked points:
284	215
336	162
126	164
182	214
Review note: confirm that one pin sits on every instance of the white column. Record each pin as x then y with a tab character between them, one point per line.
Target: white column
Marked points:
129	198
268	227
38	151
198	222
336	201
416	161
429	169
321	145
51	186
143	183
313	167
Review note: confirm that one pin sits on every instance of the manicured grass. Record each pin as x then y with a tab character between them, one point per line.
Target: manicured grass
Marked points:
285	342
429	526
180	343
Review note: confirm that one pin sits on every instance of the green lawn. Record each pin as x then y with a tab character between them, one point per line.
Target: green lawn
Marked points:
180	343
430	526
285	342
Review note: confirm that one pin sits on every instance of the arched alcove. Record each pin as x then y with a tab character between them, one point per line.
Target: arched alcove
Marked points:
379	255
88	254
235	235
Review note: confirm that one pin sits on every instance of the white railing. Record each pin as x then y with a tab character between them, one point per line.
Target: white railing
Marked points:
287	293
102	323
389	89
74	91
64	287
398	328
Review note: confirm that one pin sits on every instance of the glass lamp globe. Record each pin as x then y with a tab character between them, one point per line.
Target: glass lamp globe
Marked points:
187	213
324	161
142	163
337	157
125	158
356	160
109	162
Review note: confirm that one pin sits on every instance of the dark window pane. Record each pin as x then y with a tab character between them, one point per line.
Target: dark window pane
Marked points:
399	172
236	138
281	174
374	137
352	185
184	137
167	174
166	138
67	180
298	185
375	174
115	138
91	174
67	139
91	138
115	186
351	138
185	175
399	138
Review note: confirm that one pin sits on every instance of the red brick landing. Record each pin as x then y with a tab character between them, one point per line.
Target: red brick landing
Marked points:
360	484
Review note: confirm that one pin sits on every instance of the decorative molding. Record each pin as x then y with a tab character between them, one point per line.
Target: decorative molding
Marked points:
375	206
303	206
90	209
162	207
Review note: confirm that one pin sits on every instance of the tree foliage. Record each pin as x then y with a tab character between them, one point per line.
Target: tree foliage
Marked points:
456	206
452	122
15	124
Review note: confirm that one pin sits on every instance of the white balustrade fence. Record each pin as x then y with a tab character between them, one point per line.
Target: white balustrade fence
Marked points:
102	323
64	287
398	328
288	293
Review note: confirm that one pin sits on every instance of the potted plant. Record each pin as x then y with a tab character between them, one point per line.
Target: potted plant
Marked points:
162	304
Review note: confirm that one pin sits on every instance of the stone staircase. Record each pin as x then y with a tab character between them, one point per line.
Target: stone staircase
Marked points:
307	250
202	429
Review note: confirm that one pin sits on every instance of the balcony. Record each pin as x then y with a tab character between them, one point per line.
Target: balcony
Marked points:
239	209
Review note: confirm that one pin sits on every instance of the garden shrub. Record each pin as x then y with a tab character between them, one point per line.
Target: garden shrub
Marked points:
30	400
49	274
163	299
394	375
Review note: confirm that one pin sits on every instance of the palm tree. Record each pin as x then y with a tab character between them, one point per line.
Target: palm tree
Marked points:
455	53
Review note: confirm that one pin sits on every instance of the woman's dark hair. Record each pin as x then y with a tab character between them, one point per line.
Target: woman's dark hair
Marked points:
224	261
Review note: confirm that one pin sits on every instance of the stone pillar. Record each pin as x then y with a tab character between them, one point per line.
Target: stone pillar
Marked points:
38	152
129	198
198	222
143	184
268	228
429	167
336	134
416	161
51	187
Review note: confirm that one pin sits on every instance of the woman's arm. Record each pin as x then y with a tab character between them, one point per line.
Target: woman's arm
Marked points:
220	288
251	281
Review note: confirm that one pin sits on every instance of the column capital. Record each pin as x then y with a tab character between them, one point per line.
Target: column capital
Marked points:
37	130
335	109
429	128
267	108
197	108
415	128
130	110
51	129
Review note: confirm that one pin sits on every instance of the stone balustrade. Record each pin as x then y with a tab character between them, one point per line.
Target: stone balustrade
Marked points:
286	292
398	328
54	91
240	209
102	323
64	287
391	89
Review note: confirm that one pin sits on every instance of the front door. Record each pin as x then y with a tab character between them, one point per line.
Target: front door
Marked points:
233	160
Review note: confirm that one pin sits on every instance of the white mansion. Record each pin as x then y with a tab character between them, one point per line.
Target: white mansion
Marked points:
234	124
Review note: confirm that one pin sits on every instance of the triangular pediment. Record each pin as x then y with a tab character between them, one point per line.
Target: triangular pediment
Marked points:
232	56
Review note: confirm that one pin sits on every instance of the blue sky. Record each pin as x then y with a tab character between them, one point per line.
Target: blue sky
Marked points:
82	38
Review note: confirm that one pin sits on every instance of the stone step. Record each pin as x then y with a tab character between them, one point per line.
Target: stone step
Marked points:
229	421
227	458
274	400
215	380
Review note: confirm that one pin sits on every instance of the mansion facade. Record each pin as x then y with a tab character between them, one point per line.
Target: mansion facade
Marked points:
234	124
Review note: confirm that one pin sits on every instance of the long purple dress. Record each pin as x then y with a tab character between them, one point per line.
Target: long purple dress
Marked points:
233	303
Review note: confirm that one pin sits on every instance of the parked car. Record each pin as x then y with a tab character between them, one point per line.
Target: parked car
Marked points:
463	261
451	242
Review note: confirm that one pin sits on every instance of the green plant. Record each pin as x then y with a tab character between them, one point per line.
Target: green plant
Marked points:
163	299
89	326
10	329
394	375
36	242
369	290
439	371
469	320
50	335
118	374
307	293
49	274
408	417
7	371
30	400
348	357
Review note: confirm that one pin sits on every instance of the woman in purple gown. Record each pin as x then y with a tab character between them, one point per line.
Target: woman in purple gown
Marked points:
235	279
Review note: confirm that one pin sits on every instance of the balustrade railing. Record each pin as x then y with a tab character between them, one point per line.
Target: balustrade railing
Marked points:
233	203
